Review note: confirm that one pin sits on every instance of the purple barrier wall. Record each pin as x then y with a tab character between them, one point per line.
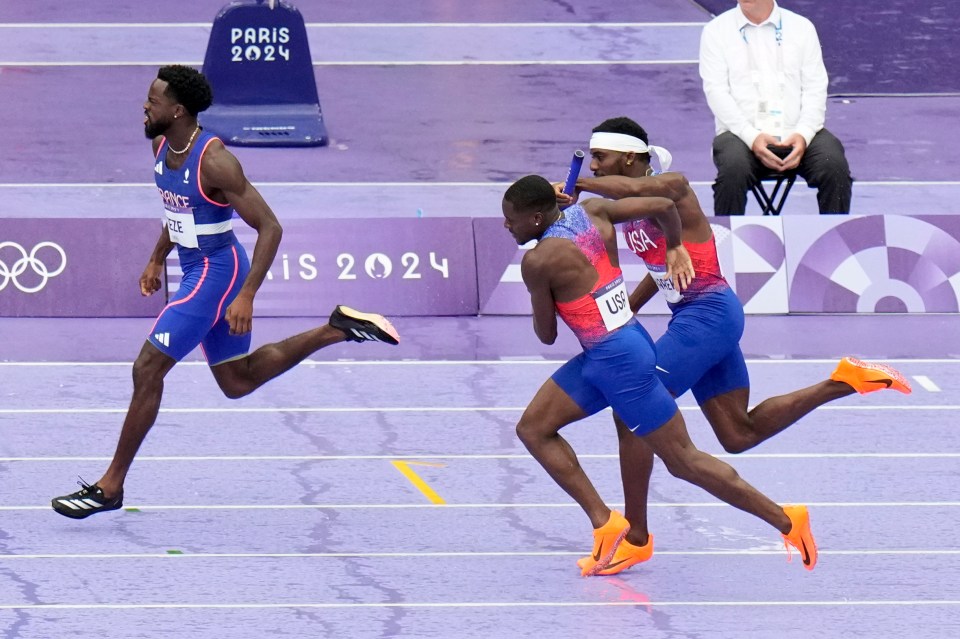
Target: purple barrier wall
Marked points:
753	259
750	249
831	264
459	266
886	264
391	266
75	267
500	289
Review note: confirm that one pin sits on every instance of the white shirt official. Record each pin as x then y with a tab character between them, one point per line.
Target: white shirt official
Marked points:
744	66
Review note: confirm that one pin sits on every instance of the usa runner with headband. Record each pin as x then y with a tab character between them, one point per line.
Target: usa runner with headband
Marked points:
201	186
573	272
700	350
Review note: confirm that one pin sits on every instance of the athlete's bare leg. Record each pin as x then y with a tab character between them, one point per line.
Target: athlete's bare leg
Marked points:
636	465
149	370
738	429
539	429
672	444
240	377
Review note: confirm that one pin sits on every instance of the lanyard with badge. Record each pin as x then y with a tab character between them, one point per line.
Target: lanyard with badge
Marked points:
769	116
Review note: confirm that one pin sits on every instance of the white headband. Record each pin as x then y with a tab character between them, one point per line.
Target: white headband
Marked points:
627	143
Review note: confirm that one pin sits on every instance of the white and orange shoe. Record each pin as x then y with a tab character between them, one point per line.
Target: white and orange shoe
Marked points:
867	377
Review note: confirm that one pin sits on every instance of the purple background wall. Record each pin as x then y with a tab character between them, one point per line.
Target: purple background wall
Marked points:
101	263
890	47
890	264
398	267
832	264
459	266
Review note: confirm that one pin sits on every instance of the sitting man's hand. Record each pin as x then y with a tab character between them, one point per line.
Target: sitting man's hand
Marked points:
767	157
799	144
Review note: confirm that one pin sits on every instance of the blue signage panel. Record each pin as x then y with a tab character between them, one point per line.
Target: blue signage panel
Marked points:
264	91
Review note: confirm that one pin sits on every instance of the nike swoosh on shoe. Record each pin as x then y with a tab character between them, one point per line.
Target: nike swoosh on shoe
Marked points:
599	553
615	564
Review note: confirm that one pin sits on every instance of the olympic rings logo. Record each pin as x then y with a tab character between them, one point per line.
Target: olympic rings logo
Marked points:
10	273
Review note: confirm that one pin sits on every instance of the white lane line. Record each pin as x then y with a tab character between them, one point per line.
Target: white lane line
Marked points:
399	409
519	360
718	504
927	383
355	25
518	456
375	409
846	603
471	554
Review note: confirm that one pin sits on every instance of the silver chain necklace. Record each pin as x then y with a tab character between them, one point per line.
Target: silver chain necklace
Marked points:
189	142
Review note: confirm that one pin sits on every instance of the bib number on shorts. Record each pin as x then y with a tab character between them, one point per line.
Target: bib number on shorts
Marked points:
614	304
182	229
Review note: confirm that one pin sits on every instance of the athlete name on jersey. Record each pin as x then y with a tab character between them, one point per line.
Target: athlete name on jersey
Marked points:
614	304
664	283
182	228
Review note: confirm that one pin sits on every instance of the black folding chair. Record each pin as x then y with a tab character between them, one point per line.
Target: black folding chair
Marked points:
770	204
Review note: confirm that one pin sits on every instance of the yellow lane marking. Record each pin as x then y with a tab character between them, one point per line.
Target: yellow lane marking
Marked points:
422	486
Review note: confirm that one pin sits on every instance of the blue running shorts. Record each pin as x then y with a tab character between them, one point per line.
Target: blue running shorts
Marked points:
196	314
701	349
619	372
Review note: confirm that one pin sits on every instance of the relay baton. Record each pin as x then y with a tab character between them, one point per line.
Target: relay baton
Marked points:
574	173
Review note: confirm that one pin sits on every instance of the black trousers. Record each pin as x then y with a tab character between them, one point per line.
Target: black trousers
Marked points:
823	166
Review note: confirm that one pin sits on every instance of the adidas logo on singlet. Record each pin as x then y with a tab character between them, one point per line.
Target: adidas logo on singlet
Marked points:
158	169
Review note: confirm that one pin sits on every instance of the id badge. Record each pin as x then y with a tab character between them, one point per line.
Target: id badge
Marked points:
181	228
614	304
770	117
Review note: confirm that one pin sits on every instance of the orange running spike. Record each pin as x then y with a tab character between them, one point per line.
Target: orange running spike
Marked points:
867	377
606	540
627	555
800	536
